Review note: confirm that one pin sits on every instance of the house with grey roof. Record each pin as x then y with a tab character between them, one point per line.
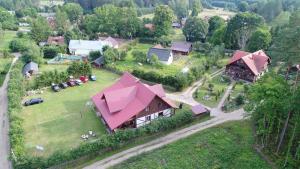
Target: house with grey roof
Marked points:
164	55
30	69
99	62
183	48
84	47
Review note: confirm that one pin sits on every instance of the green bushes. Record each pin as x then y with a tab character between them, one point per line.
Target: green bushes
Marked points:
107	142
179	81
46	78
15	94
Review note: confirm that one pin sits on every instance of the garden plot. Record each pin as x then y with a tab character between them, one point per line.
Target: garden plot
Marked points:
178	65
60	122
236	99
211	92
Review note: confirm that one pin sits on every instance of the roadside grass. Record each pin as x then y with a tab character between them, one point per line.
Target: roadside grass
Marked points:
81	163
59	122
226	146
211	98
4	68
6	37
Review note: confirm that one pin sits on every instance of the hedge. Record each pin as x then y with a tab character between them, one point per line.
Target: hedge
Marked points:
106	143
179	81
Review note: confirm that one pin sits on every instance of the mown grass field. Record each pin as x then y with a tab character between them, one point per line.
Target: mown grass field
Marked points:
225	146
4	68
219	86
6	37
58	123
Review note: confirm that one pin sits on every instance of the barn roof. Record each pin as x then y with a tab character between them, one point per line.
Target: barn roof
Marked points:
255	61
125	99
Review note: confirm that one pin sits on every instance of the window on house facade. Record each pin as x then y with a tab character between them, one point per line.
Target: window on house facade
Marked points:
160	114
147	109
148	118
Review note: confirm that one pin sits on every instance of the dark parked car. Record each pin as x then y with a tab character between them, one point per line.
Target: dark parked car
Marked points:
55	87
33	101
78	82
63	85
71	83
93	78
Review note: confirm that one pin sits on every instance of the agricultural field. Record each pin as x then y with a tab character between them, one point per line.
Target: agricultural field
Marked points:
6	37
59	122
211	92
281	19
208	13
226	146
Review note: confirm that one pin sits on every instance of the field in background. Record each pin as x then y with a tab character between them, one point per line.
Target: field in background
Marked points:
226	146
207	13
5	38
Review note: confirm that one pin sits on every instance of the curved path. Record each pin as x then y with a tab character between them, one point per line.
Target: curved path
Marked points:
5	163
219	117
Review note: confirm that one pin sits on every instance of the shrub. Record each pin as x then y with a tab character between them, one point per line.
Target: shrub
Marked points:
139	56
78	69
50	51
239	100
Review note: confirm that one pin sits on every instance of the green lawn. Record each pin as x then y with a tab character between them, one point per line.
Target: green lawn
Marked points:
58	123
46	67
212	97
225	146
4	68
178	64
6	37
177	35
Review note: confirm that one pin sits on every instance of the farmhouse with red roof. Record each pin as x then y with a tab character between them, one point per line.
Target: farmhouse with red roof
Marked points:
131	103
248	66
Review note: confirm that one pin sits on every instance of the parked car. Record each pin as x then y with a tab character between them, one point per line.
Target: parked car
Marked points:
71	83
93	78
78	82
55	87
33	101
63	85
84	79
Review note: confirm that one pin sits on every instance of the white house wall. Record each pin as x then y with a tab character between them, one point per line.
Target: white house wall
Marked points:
142	120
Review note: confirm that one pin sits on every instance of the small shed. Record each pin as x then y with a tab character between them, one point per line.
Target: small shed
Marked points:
183	48
99	62
199	110
30	68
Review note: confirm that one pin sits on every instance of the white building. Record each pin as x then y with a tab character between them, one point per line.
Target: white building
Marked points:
84	47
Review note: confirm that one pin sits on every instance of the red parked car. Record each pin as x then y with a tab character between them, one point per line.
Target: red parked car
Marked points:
84	79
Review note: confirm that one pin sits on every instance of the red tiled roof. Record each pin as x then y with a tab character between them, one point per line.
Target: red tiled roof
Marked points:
125	99
256	61
56	40
199	109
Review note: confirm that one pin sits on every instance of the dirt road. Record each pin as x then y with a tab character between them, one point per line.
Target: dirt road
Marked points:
5	163
160	142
